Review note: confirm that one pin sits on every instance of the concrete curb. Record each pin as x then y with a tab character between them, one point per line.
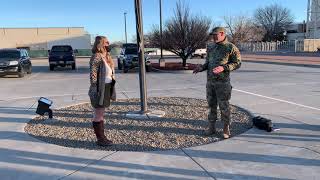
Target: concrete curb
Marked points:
173	71
284	63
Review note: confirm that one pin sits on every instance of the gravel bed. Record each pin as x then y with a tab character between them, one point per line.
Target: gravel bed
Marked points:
181	127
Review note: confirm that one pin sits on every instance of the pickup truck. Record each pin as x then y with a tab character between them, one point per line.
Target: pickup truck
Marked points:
62	55
128	58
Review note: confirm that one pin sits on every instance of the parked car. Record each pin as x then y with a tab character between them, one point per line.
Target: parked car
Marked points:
15	62
202	53
62	55
128	58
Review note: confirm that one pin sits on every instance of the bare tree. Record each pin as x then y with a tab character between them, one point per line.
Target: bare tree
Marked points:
241	29
183	33
274	19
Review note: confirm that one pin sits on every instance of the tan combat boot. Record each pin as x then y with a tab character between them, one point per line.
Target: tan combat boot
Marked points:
211	129
226	131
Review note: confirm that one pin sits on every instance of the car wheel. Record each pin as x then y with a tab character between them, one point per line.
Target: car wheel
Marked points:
202	56
148	68
51	67
21	73
119	65
29	70
125	68
73	66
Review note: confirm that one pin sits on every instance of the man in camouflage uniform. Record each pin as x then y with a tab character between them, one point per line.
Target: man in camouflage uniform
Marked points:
222	58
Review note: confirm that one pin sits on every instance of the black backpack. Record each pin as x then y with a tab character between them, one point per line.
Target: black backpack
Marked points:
262	123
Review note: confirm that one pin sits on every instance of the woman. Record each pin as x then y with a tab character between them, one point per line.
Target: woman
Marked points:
101	86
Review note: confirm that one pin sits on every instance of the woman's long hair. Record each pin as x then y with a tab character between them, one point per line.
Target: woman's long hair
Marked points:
98	47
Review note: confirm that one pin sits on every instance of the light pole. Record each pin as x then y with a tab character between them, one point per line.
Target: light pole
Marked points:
125	25
160	7
140	43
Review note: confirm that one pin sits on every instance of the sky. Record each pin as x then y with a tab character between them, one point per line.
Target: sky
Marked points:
106	17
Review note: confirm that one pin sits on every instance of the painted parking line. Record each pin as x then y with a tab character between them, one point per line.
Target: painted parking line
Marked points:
80	94
35	97
238	90
33	75
276	99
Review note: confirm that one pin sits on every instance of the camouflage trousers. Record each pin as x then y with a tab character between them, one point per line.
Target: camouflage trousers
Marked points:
219	93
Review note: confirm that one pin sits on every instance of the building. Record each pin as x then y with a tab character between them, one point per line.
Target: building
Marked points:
313	19
296	31
44	38
307	35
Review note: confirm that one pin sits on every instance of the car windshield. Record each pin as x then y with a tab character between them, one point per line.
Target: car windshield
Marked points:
9	54
131	51
61	49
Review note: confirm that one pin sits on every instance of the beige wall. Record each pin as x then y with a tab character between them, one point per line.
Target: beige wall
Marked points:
311	45
44	38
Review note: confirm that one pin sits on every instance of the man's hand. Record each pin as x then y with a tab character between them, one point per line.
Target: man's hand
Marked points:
218	70
197	69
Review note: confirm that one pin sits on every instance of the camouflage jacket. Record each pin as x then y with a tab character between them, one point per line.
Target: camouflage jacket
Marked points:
223	54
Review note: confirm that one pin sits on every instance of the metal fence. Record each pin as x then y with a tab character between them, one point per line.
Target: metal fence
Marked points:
281	46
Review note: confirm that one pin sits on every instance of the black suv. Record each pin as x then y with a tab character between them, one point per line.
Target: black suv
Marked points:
15	62
62	55
128	58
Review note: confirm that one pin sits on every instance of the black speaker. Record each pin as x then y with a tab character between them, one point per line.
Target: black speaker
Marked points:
262	123
43	107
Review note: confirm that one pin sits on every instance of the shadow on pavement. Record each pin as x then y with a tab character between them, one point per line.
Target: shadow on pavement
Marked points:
125	169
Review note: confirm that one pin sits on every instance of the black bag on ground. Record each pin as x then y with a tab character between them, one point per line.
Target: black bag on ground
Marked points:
262	123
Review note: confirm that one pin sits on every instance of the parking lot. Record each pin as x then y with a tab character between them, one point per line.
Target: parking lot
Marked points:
299	85
290	90
264	84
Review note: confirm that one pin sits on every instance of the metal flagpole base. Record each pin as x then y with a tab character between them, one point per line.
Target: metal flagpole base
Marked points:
145	115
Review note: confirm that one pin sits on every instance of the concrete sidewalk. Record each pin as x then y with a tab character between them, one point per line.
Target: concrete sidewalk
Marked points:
306	61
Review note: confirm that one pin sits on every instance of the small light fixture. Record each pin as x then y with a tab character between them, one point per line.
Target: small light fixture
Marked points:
43	107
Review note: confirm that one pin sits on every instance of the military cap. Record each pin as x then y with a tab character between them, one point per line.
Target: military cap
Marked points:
217	30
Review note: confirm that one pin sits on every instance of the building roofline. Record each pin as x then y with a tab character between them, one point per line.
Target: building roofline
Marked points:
10	49
37	27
